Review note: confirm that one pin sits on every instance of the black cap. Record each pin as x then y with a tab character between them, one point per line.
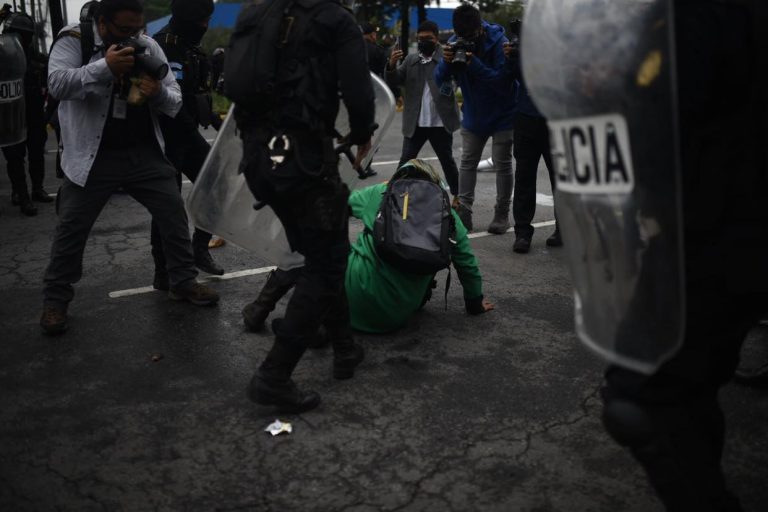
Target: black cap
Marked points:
368	28
191	10
19	22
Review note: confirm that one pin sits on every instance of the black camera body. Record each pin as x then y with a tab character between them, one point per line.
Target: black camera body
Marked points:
515	27
153	66
460	48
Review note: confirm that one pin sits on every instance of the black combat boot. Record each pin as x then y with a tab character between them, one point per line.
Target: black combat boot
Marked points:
278	284
203	259
346	356
272	384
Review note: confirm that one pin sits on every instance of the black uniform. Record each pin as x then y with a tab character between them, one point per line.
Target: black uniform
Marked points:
185	147
671	420
34	147
308	195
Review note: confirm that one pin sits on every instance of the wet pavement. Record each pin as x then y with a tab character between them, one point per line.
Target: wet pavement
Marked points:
141	405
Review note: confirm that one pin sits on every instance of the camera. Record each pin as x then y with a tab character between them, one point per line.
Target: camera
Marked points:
460	48
155	67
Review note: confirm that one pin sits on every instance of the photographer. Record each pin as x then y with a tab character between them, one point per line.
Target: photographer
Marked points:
431	113
474	58
108	114
531	144
185	146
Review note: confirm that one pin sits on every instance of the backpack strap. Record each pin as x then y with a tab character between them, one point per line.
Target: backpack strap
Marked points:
87	41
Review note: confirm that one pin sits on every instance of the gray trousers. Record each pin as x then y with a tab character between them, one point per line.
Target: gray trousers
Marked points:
147	176
471	151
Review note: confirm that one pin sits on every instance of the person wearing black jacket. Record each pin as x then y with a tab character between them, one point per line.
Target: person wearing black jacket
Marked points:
531	144
185	146
290	164
34	98
377	56
672	421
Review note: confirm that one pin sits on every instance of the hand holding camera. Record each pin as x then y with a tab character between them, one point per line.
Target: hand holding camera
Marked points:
119	59
459	53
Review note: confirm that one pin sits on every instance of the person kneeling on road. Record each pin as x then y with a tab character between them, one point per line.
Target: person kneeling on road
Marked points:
108	114
382	297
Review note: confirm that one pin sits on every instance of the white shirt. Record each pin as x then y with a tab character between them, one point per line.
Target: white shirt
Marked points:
428	116
85	92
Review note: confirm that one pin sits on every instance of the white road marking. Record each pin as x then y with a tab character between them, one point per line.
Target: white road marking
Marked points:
206	279
264	270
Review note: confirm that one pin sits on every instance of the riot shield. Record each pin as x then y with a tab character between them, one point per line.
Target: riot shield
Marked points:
13	65
221	202
603	73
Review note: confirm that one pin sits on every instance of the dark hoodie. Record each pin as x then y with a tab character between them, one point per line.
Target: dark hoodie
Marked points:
486	86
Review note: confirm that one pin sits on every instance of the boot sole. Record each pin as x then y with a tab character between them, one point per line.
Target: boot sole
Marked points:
282	407
179	298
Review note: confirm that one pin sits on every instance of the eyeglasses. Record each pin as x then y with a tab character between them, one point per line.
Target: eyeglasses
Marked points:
126	30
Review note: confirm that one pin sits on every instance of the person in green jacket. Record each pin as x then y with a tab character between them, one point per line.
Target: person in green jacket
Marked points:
381	298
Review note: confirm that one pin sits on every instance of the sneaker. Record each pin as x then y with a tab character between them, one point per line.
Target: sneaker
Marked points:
346	360
500	223
465	215
54	319
41	196
284	395
555	240
196	293
161	281
522	245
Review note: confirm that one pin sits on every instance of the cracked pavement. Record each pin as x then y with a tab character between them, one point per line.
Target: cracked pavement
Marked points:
453	413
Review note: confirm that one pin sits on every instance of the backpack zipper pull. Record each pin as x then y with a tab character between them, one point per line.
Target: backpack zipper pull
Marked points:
405	206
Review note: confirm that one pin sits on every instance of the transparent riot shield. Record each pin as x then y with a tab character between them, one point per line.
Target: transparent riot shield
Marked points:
602	72
221	203
13	65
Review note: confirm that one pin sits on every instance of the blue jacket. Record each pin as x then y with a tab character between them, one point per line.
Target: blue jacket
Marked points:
489	100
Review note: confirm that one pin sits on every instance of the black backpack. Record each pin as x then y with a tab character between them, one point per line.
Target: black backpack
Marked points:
263	62
414	230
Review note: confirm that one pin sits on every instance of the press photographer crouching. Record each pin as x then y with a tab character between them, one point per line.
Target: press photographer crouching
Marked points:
111	139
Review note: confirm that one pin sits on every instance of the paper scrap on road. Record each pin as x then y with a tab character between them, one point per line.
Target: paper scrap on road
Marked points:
279	427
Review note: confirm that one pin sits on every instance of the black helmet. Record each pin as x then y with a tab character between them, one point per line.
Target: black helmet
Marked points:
19	22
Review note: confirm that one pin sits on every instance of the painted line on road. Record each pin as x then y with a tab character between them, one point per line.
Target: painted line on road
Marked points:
206	279
264	270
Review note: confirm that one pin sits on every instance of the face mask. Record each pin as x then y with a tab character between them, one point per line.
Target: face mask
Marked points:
427	48
192	33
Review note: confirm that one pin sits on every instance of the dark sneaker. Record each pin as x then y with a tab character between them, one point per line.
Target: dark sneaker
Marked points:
54	319
500	223
161	281
196	293
282	394
41	196
465	215
555	240
204	262
28	208
522	245
346	360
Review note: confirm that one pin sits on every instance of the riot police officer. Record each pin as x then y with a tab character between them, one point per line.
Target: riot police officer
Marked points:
34	98
185	146
290	164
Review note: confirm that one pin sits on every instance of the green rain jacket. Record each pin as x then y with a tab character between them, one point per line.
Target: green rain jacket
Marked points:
382	298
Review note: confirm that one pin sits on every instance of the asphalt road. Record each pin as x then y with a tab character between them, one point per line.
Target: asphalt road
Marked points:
142	406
